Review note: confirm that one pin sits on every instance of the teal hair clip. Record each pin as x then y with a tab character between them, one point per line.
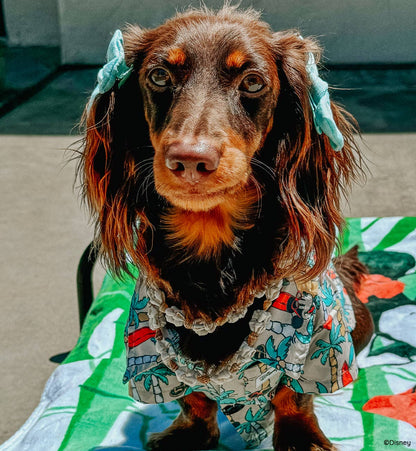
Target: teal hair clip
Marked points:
114	70
321	106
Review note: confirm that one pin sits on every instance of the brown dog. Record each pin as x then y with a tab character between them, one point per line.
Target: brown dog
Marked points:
204	168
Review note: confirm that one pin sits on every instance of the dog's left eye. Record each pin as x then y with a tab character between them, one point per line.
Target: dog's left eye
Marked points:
160	77
252	83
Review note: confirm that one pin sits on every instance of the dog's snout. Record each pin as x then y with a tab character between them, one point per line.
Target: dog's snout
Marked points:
192	161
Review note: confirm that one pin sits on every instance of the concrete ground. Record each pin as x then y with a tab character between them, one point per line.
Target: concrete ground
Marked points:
44	229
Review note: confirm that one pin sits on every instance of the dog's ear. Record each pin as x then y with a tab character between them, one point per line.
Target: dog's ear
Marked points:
116	143
311	175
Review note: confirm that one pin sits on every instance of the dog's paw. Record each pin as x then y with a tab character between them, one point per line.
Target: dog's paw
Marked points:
302	444
183	437
293	435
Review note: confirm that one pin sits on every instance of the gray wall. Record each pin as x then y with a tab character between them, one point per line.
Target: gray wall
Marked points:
352	31
32	22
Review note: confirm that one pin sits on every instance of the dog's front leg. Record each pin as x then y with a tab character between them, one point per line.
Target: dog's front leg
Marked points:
296	426
195	427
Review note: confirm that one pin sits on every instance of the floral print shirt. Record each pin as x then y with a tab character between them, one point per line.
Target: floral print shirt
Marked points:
301	338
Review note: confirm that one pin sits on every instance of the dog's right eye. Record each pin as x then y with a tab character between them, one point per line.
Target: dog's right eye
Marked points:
160	77
252	84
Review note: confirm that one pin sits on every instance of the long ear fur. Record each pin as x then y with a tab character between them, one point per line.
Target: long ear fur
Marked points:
117	154
311	175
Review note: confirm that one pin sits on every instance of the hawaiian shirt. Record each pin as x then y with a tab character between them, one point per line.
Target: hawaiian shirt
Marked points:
302	339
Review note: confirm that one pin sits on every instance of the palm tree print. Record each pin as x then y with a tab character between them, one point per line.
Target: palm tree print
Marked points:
152	379
252	431
276	354
136	306
327	352
326	294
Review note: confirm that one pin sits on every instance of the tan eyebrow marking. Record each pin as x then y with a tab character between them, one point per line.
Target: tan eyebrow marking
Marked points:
176	56
236	59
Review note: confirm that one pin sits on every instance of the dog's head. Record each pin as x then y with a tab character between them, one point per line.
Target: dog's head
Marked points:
216	109
209	87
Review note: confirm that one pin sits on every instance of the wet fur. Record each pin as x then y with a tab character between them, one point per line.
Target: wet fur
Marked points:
282	186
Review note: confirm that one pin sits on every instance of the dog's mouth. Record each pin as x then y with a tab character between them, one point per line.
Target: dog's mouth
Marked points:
196	198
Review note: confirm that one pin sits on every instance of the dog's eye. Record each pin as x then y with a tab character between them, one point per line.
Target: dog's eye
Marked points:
160	77
252	83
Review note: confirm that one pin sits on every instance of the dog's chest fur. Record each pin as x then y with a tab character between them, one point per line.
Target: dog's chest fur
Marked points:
211	287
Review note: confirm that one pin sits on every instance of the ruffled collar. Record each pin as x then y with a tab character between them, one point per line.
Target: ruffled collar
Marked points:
191	372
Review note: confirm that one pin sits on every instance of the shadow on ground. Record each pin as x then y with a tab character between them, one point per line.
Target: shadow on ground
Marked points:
382	100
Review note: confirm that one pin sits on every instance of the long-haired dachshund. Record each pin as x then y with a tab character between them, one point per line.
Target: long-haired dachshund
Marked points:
208	166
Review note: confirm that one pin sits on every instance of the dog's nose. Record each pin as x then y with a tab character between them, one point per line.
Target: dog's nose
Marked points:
191	161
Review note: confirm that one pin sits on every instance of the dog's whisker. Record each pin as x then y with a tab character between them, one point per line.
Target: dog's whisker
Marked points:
143	168
259	195
145	161
261	165
144	185
149	184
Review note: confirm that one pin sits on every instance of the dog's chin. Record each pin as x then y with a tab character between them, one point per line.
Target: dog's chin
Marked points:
196	202
200	202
